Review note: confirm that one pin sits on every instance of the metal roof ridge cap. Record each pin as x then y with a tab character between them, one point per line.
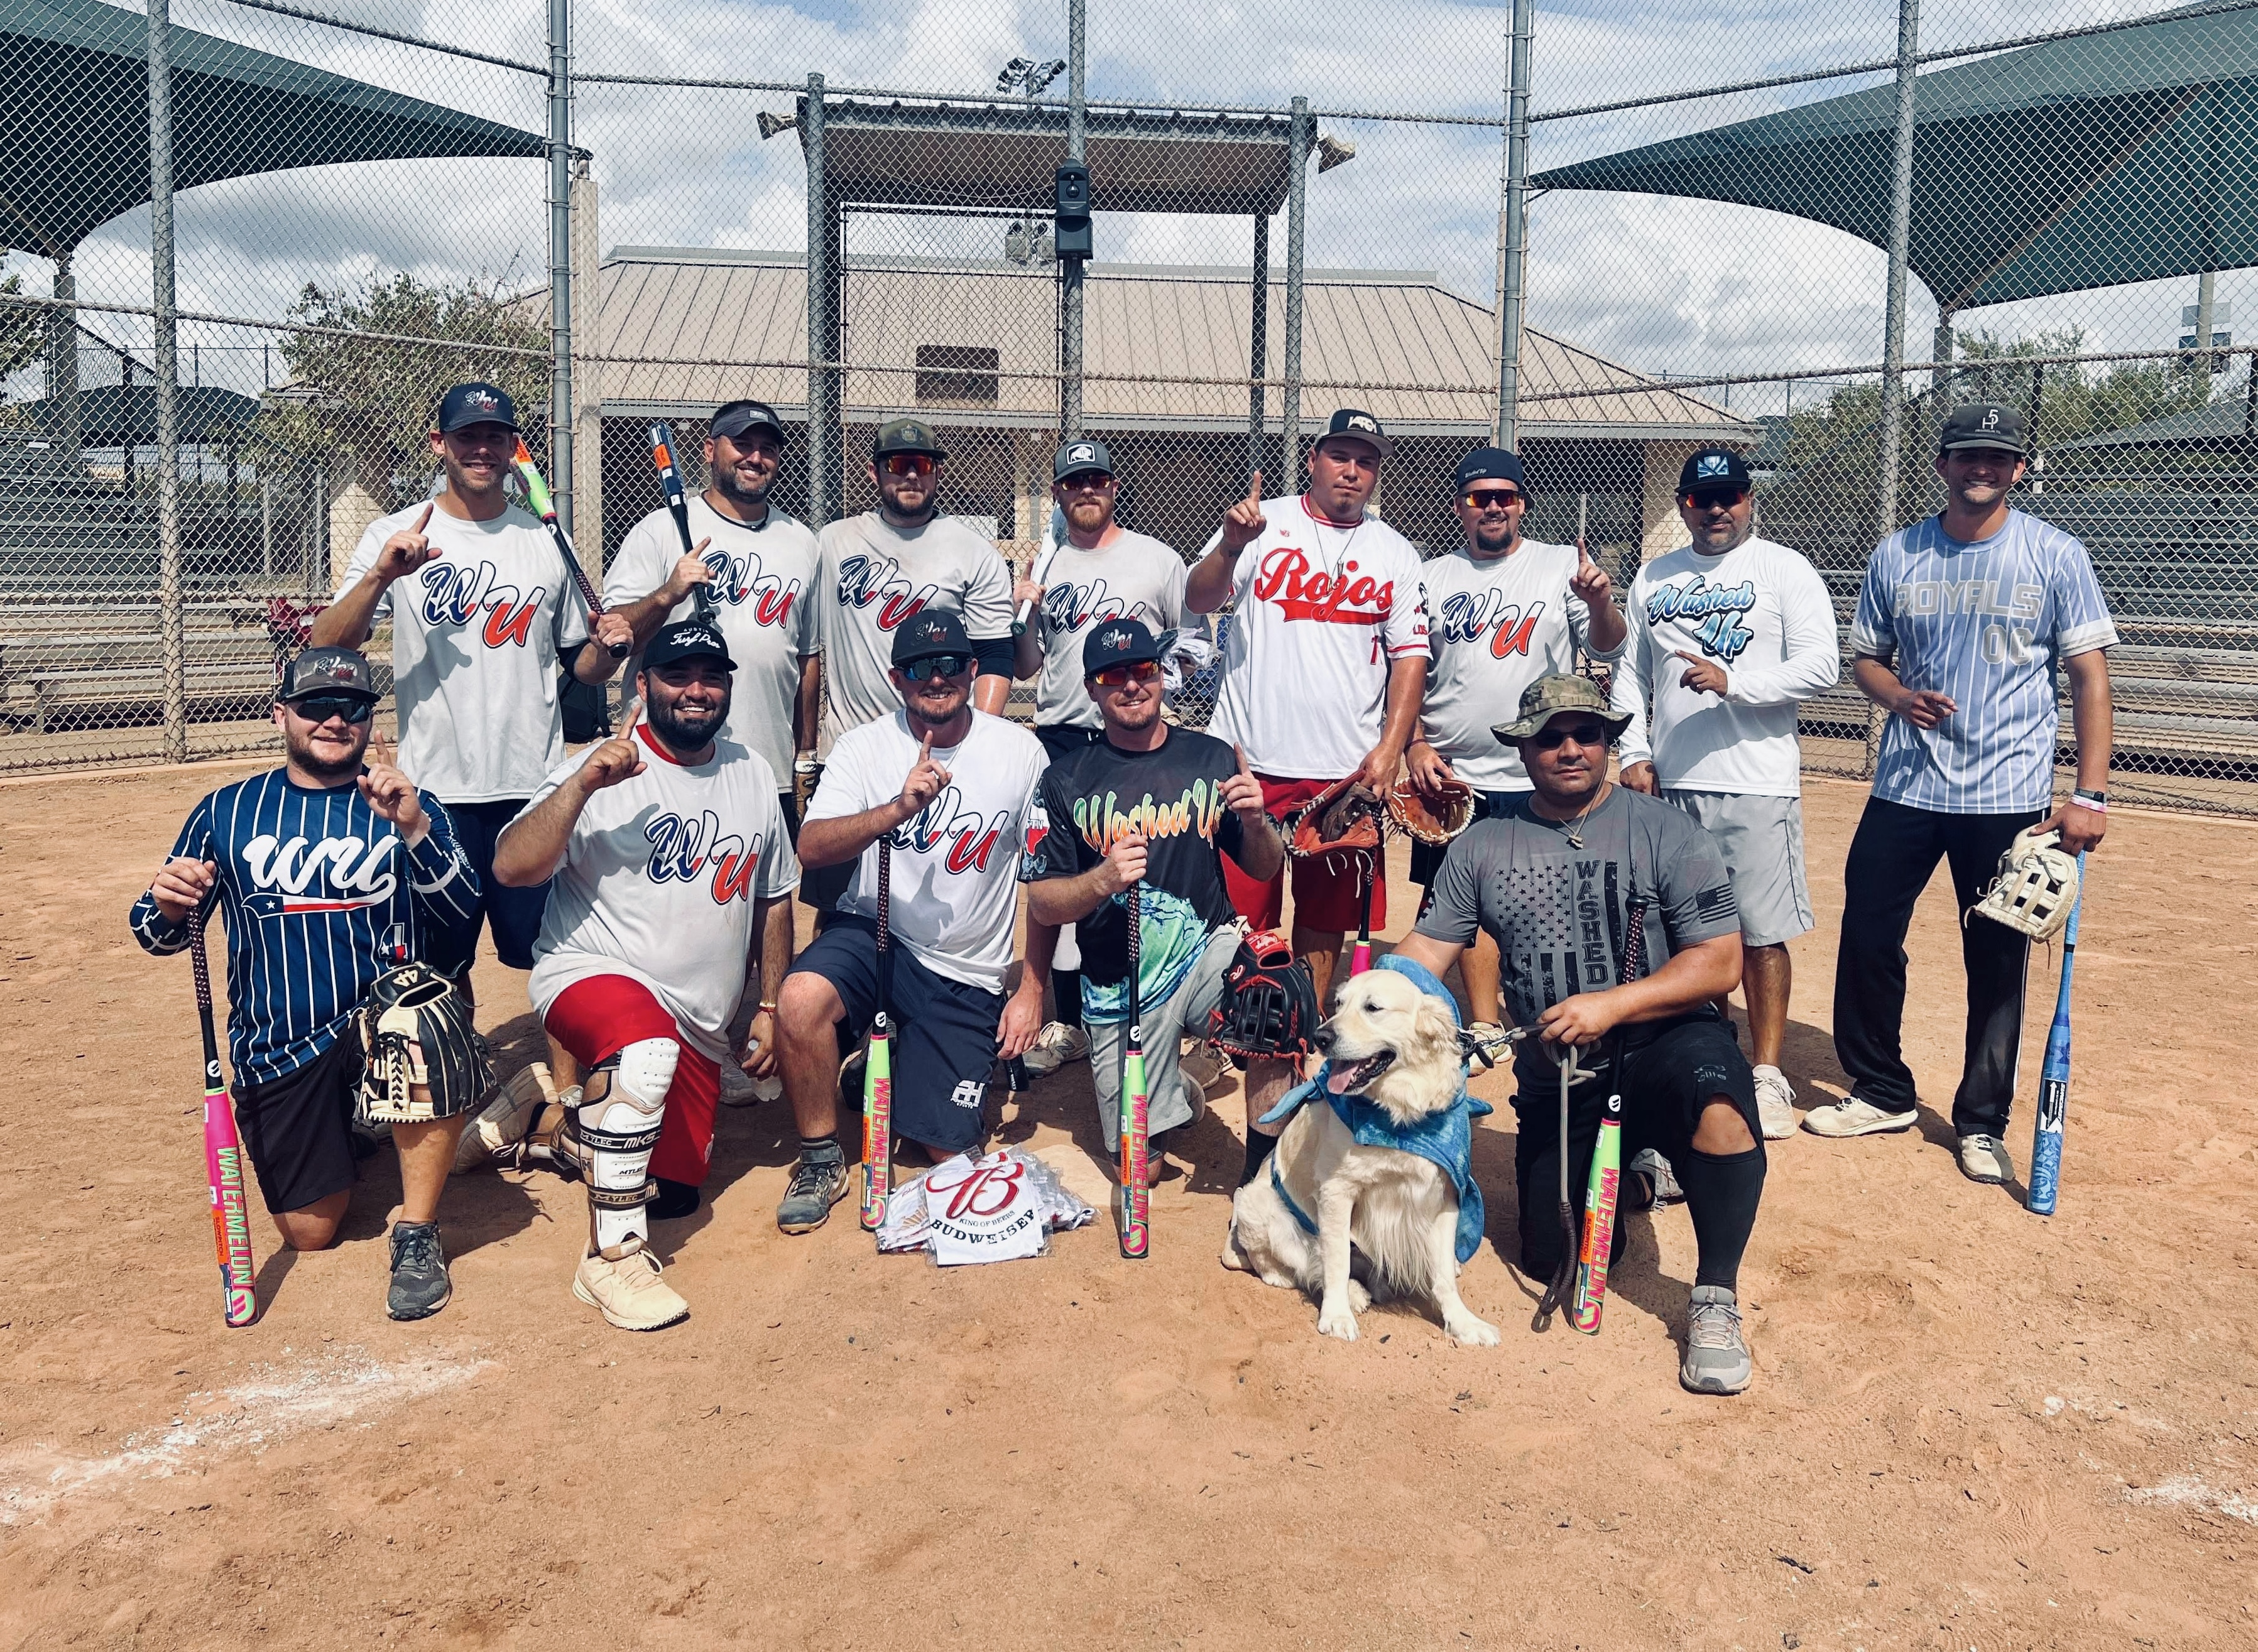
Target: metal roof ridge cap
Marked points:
792	259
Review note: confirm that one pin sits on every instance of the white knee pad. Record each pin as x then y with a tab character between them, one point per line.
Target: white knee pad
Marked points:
617	1125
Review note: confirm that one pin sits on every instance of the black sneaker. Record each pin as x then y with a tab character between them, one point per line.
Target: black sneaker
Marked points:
675	1200
420	1284
818	1181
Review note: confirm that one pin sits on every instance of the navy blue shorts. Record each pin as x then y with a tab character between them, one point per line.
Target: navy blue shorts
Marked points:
944	1041
514	914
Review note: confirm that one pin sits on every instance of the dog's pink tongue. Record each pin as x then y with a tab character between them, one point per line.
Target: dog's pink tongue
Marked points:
1337	1081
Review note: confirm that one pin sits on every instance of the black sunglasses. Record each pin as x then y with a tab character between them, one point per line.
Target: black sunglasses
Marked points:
1710	499
1551	739
319	708
935	665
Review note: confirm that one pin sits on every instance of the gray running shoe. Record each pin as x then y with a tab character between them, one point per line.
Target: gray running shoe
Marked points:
1985	1158
818	1181
1716	1359
1651	1164
1851	1117
420	1284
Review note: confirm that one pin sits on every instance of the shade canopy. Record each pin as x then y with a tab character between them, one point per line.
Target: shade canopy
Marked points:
75	119
2127	156
1002	156
125	416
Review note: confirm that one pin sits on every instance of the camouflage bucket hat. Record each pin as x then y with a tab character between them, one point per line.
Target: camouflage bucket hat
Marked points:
1549	695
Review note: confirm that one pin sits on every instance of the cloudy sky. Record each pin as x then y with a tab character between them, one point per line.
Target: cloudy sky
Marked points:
1663	285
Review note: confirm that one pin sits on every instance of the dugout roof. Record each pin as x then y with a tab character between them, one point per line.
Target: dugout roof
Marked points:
2127	156
75	119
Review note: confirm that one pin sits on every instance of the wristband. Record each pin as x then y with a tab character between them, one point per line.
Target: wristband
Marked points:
2099	804
768	1008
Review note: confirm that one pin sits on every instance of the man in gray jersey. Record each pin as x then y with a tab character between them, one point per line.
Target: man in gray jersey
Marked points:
1965	622
1096	571
875	571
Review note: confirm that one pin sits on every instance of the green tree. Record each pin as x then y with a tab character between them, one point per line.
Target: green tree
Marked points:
23	333
369	384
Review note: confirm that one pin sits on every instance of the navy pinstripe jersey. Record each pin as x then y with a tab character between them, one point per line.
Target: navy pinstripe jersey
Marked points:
310	884
1988	623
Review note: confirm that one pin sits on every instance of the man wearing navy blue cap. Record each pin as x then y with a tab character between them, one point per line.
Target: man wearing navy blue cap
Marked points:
483	620
1503	610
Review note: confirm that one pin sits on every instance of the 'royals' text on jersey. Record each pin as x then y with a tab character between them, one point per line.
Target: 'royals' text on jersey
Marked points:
313	886
1987	624
475	634
658	881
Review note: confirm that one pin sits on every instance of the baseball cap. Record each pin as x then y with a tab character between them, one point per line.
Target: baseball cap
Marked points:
1357	423
1984	424
1077	456
928	632
476	403
734	419
329	670
1490	464
1548	697
1118	642
907	435
1714	467
688	640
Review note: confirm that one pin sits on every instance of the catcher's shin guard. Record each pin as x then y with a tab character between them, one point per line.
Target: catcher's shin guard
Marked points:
613	1129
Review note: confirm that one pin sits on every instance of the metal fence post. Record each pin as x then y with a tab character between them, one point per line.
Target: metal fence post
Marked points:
560	257
1297	183
167	354
1070	269
1893	410
1258	346
1513	233
824	459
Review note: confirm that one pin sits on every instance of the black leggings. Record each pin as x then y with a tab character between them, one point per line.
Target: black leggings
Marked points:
1892	859
1667	1081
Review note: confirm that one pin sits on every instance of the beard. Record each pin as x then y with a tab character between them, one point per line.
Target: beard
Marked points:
1492	541
735	490
311	758
685	728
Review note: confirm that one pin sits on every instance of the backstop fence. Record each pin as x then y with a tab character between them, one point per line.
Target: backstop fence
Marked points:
248	242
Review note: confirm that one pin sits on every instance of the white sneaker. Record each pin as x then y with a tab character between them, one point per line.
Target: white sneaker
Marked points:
736	1088
1985	1158
627	1289
1851	1117
1054	1046
1775	1103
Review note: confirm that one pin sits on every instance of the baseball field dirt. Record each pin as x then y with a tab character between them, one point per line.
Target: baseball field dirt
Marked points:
1970	1428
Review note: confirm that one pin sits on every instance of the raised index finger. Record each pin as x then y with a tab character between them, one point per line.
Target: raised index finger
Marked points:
1255	489
1240	753
924	748
424	520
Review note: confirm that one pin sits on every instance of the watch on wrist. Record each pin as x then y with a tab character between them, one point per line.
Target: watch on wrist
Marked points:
2081	795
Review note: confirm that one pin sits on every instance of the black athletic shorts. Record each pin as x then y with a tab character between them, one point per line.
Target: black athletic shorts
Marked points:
297	1129
944	1042
513	915
1063	740
1427	858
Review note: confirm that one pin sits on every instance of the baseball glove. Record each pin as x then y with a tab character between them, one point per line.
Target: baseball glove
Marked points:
424	1057
1269	1004
2036	887
1435	819
1343	819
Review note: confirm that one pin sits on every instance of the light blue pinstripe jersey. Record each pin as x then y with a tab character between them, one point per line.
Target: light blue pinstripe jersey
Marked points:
1988	624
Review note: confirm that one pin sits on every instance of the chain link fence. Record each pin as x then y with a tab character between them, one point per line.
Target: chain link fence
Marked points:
227	311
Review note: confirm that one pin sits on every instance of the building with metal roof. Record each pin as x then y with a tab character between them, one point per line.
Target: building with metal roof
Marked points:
971	346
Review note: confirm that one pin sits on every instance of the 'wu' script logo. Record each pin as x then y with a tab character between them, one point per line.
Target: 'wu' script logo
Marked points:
293	877
1068	606
739	580
1465	616
972	838
682	849
455	594
864	579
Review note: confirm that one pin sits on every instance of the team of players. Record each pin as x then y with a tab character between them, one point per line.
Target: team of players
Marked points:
645	880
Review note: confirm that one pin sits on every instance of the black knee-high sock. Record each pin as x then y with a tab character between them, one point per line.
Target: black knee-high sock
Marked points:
1066	987
1257	1149
1722	1194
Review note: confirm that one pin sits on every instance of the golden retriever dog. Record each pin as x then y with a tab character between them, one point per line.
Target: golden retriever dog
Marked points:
1397	1047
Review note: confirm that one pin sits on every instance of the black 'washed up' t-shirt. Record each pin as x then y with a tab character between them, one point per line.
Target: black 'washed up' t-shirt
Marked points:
1089	800
1558	913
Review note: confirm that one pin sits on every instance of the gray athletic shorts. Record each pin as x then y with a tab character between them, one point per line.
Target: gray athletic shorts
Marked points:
1175	1099
1762	842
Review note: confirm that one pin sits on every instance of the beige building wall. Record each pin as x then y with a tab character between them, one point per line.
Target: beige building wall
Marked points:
1661	530
352	507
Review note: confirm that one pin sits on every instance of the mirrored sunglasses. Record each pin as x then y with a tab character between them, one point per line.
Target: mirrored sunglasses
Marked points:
936	666
1483	498
1710	499
1551	737
909	465
1122	676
